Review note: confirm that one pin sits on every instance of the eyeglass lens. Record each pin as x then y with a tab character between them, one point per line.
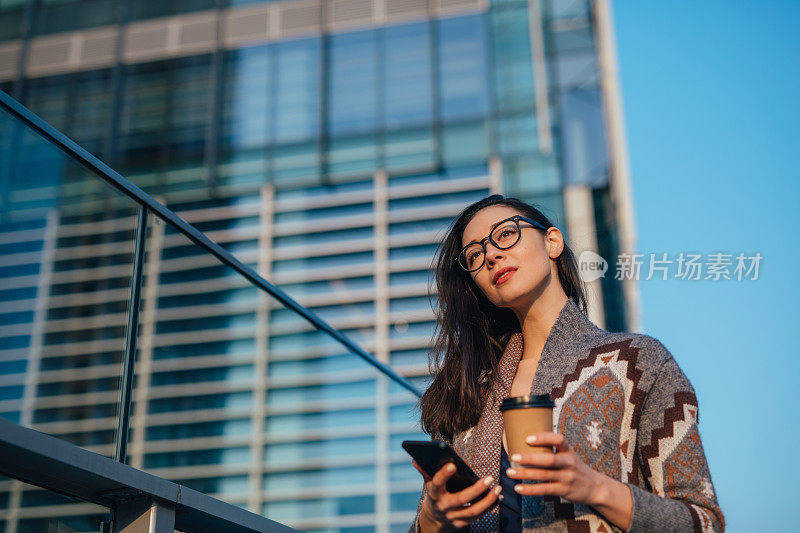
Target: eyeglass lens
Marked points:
504	236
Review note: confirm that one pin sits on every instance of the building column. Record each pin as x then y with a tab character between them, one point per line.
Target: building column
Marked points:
579	212
619	178
35	354
257	440
381	281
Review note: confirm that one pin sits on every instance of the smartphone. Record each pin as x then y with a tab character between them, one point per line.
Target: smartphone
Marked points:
432	455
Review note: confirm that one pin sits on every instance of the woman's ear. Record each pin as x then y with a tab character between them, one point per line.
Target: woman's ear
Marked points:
554	242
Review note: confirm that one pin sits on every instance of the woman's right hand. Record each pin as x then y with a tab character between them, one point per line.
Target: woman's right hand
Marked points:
442	510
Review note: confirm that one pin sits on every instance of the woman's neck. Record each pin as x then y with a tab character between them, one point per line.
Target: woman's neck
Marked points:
537	322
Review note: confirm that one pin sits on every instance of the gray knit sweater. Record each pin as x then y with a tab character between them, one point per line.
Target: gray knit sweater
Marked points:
628	412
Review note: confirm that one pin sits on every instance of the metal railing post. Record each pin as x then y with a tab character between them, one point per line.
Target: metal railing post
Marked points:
131	332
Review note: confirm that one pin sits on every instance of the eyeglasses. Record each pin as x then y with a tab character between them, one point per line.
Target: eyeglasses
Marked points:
503	236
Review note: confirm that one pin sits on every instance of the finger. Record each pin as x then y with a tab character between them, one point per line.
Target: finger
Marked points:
541	460
463	497
425	475
541	489
533	474
549	439
476	509
437	485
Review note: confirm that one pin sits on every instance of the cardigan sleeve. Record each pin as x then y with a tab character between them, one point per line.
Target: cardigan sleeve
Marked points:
681	496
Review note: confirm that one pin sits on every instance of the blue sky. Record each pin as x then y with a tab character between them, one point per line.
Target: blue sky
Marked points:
710	93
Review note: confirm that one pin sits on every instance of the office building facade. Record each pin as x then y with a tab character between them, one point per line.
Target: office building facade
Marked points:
325	143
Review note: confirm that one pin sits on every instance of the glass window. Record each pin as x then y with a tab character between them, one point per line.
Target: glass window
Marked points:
438	225
145	9
324	237
277	454
209	401
465	142
414	277
415	303
352	106
584	144
217	485
517	134
231	374
414	329
90	107
351	156
239	347
12	13
331	391
528	175
462	67
229	296
60	414
203	323
513	67
330	262
297	90
332	477
164	115
317	340
409	357
200	429
287	511
413	252
408	75
350	418
333	286
329	312
219	456
400	472
246	99
316	365
420	382
404	413
49	98
53	16
323	214
404	501
410	149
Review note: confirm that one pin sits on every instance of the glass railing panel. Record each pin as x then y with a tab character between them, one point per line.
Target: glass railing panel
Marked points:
66	245
44	510
67	240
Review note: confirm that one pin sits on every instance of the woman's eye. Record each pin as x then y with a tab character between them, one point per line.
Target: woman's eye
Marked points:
507	232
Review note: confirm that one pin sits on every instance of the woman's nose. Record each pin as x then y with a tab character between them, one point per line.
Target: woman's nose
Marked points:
493	253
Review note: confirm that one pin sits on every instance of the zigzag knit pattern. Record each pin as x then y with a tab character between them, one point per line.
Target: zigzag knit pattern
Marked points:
627	410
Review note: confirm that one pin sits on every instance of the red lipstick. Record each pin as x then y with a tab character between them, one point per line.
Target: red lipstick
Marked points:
503	275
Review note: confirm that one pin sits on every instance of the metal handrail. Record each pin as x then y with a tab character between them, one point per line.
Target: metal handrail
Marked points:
86	159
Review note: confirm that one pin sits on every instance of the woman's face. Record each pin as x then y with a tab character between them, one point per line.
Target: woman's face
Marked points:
516	277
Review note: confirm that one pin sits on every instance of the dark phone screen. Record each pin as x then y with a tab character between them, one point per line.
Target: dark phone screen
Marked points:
433	455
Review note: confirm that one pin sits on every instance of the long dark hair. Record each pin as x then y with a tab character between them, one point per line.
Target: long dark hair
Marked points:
472	332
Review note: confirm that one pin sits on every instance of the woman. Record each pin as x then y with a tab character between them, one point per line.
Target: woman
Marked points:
512	322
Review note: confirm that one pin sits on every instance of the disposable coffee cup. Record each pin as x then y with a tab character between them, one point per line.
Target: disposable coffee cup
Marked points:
527	415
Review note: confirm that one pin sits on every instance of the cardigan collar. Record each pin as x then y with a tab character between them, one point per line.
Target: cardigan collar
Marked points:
571	330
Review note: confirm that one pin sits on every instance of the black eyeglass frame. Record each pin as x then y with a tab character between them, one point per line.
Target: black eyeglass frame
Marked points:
482	242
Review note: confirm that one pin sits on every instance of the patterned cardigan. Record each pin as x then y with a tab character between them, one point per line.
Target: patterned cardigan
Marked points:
627	410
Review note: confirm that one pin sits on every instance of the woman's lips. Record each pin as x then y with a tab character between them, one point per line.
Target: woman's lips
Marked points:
505	276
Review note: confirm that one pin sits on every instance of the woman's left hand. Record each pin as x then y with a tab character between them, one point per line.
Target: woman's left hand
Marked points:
560	474
564	474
